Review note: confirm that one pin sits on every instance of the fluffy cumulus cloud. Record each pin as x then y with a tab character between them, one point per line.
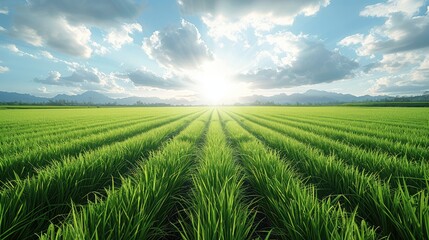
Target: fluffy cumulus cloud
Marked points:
65	26
399	84
3	69
229	19
4	11
407	72
178	48
236	9
57	33
403	30
120	36
82	78
143	77
408	7
401	43
300	60
394	63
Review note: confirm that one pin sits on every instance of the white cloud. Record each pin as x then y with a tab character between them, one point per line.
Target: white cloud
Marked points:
408	7
43	90
400	84
219	27
352	40
144	77
222	27
56	32
237	9
120	36
84	79
178	48
404	73
301	60
105	13
230	19
4	11
397	62
13	48
402	30
286	45
99	49
47	54
3	69
2	29
53	79
402	42
65	26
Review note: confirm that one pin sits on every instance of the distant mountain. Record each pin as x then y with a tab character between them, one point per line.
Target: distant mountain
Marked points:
310	97
20	98
86	98
89	97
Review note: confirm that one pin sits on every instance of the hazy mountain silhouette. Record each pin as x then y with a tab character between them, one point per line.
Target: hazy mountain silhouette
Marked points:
96	98
311	96
89	97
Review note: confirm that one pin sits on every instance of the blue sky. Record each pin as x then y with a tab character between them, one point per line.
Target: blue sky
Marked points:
214	50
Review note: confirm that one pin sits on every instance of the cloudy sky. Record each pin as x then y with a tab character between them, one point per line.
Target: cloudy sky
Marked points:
214	50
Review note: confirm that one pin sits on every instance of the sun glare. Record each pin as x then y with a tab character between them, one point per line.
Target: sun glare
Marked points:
214	89
215	85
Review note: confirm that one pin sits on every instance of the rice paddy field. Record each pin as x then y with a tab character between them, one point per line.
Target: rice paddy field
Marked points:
215	173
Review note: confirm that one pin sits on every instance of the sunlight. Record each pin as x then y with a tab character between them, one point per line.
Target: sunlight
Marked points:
215	86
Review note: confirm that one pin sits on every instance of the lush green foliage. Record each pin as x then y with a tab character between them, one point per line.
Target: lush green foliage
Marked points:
214	173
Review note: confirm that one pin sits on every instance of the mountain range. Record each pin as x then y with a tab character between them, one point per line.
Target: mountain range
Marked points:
95	98
86	98
310	97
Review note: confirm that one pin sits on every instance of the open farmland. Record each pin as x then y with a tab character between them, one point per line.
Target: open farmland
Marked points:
215	173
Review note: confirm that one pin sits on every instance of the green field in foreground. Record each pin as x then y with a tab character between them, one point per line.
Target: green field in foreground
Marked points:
214	173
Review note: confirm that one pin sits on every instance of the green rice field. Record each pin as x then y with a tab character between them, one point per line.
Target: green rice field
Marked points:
214	173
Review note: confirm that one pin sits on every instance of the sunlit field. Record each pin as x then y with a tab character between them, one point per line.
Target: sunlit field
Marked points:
214	173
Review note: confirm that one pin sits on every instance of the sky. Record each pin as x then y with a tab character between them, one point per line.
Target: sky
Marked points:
214	51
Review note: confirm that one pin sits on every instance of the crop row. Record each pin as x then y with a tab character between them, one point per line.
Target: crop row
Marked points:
410	151
385	166
292	207
27	162
395	212
141	206
395	134
29	205
154	202
225	173
16	143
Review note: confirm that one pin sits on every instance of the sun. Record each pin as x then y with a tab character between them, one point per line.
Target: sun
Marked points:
215	85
